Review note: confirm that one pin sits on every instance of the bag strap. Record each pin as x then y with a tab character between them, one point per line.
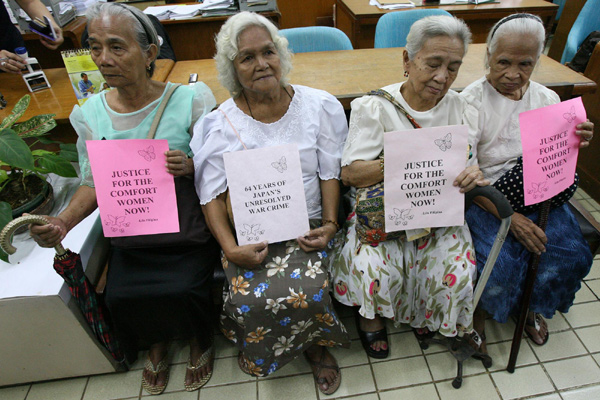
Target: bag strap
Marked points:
160	110
235	130
386	95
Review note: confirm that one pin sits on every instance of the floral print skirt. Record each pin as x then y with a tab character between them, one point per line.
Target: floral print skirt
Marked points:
274	313
427	283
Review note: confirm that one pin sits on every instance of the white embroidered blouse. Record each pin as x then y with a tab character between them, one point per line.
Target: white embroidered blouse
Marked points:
315	121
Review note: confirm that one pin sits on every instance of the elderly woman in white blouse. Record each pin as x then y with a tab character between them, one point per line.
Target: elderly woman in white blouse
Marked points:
514	46
426	281
277	305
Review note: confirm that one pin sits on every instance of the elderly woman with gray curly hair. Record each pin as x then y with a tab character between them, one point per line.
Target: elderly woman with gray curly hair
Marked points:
277	305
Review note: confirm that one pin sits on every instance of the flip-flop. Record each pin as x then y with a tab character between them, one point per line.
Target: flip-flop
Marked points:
477	340
207	358
536	324
320	365
162	366
368	338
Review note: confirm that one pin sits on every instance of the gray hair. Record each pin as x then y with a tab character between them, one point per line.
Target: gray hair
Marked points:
143	29
227	48
520	24
436	25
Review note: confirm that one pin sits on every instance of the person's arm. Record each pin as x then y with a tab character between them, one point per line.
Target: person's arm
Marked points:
35	8
522	228
317	239
249	256
586	131
82	204
362	173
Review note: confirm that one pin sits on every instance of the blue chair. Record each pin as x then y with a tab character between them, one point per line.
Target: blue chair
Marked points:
587	22
316	38
392	28
561	5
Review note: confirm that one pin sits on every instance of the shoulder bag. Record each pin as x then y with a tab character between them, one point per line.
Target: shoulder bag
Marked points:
370	216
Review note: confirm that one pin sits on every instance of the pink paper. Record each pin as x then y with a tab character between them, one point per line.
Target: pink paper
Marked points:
550	148
136	194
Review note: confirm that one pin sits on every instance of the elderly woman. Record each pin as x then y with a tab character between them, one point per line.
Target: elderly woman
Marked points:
514	46
153	294
389	279
277	305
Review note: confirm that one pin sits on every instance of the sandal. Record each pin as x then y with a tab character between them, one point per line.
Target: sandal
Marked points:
207	358
368	338
536	323
477	340
161	367
319	365
423	333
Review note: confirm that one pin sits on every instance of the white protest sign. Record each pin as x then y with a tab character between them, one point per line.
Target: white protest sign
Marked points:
267	194
420	167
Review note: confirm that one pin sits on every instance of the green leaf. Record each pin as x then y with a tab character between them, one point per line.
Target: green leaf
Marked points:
17	112
35	126
45	140
57	165
14	151
69	152
3	176
41	152
5	218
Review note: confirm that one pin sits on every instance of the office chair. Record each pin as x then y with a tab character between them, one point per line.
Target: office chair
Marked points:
316	38
392	28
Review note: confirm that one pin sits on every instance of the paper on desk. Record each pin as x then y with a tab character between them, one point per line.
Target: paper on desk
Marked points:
448	2
394	6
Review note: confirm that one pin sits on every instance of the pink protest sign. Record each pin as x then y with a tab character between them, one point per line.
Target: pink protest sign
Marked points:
550	149
136	194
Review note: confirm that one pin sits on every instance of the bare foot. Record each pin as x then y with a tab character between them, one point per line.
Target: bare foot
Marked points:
156	354
323	364
539	335
194	375
374	325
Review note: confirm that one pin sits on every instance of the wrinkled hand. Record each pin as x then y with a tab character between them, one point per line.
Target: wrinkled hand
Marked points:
178	163
49	235
53	45
528	233
469	178
249	256
585	130
10	62
317	239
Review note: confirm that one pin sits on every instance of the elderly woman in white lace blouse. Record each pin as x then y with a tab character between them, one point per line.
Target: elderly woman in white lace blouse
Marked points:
277	305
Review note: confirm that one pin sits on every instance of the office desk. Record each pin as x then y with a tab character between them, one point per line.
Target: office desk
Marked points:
358	19
194	38
352	73
60	98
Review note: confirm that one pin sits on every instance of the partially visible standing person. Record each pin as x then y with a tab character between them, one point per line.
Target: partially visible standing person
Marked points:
10	37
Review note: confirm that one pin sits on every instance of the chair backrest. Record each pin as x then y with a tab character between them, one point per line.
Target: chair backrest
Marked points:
392	29
316	38
587	22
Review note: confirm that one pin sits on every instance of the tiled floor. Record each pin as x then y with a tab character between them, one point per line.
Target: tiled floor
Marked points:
566	368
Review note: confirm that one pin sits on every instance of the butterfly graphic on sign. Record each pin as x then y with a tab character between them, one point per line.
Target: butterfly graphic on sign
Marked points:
148	154
280	165
116	223
445	143
570	116
401	216
252	232
538	189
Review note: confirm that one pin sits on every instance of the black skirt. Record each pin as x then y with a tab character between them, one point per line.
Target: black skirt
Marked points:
155	295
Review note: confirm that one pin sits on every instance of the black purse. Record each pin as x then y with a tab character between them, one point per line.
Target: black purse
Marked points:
192	227
511	186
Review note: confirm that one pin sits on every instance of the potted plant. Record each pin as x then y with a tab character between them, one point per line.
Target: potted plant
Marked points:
23	170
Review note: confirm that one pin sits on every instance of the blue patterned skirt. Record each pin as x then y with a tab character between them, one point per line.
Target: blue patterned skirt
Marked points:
565	263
